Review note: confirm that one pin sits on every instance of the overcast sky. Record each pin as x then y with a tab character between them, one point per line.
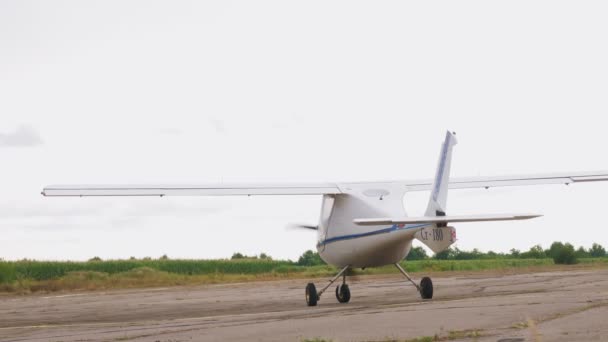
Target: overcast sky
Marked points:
240	91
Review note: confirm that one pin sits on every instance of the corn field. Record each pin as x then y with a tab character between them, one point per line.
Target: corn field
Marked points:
43	270
11	271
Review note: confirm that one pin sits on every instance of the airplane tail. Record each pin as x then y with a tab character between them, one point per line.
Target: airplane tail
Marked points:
438	236
439	190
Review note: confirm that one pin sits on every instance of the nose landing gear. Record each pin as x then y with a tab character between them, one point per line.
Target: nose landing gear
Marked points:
342	291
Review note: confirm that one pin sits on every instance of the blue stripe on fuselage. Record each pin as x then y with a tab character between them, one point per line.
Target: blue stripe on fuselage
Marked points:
393	228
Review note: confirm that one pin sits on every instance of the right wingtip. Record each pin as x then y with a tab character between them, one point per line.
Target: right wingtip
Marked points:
530	216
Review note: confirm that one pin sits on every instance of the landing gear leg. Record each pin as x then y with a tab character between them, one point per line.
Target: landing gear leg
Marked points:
312	296
342	291
426	285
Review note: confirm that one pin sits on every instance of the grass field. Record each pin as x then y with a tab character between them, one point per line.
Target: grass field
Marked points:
47	276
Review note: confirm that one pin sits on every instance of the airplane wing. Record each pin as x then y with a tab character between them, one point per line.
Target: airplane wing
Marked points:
192	189
443	219
222	189
518	180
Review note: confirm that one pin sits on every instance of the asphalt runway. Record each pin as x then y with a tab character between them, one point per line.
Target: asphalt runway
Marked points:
548	306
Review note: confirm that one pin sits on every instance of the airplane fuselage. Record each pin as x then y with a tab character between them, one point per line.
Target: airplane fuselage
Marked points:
341	242
384	246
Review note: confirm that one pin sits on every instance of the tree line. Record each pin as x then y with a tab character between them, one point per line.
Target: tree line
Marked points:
561	253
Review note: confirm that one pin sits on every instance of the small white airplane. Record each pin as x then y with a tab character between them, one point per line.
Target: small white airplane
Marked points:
362	224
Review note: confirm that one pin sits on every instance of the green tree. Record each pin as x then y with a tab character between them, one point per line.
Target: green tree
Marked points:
562	253
310	258
237	255
535	252
597	251
581	252
265	256
446	254
554	249
466	255
417	253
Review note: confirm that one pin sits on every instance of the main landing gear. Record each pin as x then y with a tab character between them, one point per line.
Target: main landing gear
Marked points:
426	285
342	291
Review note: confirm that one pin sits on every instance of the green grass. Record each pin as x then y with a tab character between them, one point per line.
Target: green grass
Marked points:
422	339
44	270
32	276
594	261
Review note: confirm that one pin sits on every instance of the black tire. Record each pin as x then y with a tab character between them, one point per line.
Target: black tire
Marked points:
343	293
311	295
426	288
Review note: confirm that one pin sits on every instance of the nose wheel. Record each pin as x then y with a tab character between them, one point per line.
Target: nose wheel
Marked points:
342	291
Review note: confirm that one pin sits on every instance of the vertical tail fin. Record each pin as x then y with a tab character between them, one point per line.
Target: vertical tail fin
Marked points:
439	190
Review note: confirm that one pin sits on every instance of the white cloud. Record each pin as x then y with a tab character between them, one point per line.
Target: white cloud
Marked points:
218	125
23	136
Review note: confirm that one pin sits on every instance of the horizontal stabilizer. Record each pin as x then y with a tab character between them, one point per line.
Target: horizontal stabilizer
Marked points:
443	219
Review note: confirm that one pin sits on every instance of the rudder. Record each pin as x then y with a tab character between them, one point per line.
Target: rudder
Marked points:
439	190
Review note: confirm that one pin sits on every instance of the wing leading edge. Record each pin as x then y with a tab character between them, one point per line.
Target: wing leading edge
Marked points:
516	180
192	190
311	188
443	219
